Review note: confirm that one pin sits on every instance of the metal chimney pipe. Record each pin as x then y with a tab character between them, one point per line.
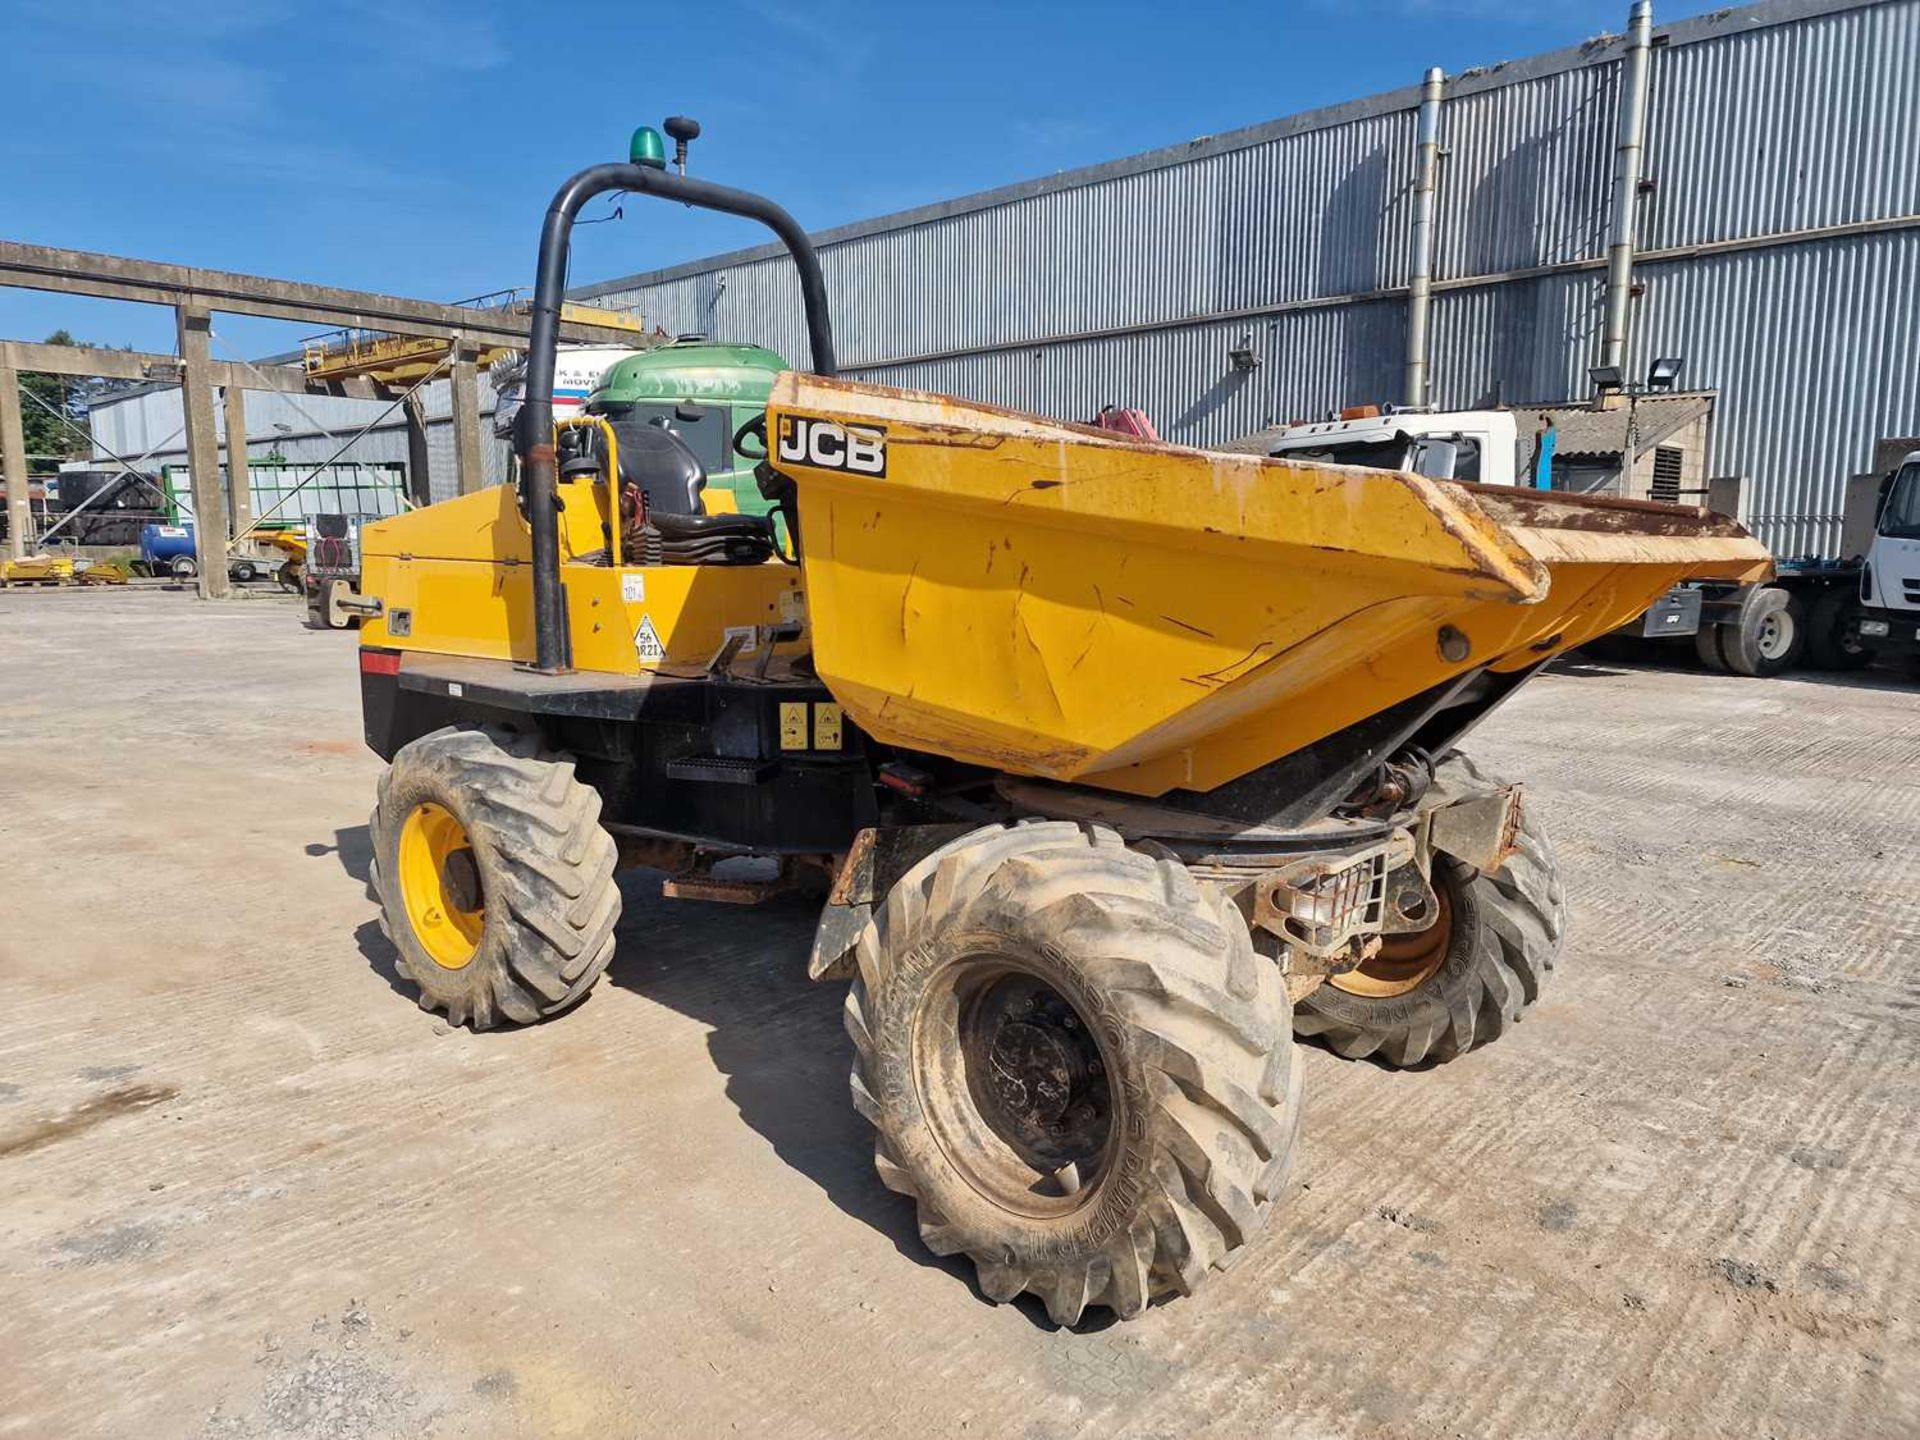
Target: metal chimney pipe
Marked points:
1426	177
1626	180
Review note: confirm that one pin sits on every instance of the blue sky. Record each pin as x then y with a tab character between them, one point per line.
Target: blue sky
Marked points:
410	146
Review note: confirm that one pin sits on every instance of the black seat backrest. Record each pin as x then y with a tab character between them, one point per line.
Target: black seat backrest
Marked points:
662	465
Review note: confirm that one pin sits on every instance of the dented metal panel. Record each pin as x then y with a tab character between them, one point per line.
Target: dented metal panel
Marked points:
1069	603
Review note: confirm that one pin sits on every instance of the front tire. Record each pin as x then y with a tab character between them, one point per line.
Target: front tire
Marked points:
494	876
1833	642
1434	996
1075	1064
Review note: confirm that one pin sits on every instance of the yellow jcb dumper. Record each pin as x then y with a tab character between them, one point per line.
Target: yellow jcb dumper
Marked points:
1124	764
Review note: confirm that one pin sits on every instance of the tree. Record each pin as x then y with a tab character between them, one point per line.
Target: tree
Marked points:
69	396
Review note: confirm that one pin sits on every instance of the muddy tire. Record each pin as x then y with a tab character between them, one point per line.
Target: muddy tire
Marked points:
1493	947
494	878
1075	1065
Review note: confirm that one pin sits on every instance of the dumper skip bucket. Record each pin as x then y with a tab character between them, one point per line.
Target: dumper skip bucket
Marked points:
1059	601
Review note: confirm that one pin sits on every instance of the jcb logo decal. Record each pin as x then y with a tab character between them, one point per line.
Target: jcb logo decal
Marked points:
829	445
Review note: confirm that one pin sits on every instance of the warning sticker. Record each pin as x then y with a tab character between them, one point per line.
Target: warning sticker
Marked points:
749	641
792	605
633	589
646	643
793	725
826	727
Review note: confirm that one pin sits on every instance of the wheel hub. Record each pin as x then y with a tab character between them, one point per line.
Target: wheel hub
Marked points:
1031	1072
440	885
1404	962
1017	1089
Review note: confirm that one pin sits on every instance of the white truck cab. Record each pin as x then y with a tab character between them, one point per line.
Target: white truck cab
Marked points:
1476	445
1890	578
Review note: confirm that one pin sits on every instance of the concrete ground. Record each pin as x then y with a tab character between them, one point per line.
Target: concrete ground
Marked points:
248	1189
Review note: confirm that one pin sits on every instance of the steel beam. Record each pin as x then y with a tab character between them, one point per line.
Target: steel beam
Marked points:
13	461
210	533
115	277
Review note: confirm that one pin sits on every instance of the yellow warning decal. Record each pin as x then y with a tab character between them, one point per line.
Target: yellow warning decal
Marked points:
826	727
793	724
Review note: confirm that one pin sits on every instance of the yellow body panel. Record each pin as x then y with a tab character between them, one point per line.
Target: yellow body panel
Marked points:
1058	601
1065	602
462	573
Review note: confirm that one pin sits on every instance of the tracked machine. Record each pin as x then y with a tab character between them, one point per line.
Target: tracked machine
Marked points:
1121	765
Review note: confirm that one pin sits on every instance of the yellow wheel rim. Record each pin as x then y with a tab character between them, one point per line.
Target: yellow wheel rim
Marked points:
1405	962
438	882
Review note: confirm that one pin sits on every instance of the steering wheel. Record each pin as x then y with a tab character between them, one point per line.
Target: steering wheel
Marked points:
755	426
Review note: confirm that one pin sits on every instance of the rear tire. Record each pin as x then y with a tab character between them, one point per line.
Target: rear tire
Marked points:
1076	1066
183	567
1504	932
1832	642
538	869
1706	644
1770	637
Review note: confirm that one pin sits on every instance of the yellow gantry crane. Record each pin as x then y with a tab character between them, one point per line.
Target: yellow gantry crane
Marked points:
403	359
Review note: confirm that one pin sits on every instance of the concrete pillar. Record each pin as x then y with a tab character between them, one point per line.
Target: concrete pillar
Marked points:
13	461
419	458
468	463
239	487
210	532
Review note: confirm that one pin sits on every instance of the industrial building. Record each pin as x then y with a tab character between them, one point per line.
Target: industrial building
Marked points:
1758	167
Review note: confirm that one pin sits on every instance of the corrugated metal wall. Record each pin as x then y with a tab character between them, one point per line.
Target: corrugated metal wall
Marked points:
317	426
1117	284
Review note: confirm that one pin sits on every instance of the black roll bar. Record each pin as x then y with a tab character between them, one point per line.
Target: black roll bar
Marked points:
533	428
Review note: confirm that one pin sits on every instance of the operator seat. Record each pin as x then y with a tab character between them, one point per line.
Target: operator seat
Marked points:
663	465
657	462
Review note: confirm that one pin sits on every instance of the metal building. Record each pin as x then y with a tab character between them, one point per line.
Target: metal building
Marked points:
1269	274
1774	212
305	429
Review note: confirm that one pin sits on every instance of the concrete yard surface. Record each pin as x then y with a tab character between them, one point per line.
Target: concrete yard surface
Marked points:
248	1189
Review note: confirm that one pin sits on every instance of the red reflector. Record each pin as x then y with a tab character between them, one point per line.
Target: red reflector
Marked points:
379	662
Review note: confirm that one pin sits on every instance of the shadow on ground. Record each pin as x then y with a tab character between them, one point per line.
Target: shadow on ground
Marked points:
778	1037
354	849
780	1041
